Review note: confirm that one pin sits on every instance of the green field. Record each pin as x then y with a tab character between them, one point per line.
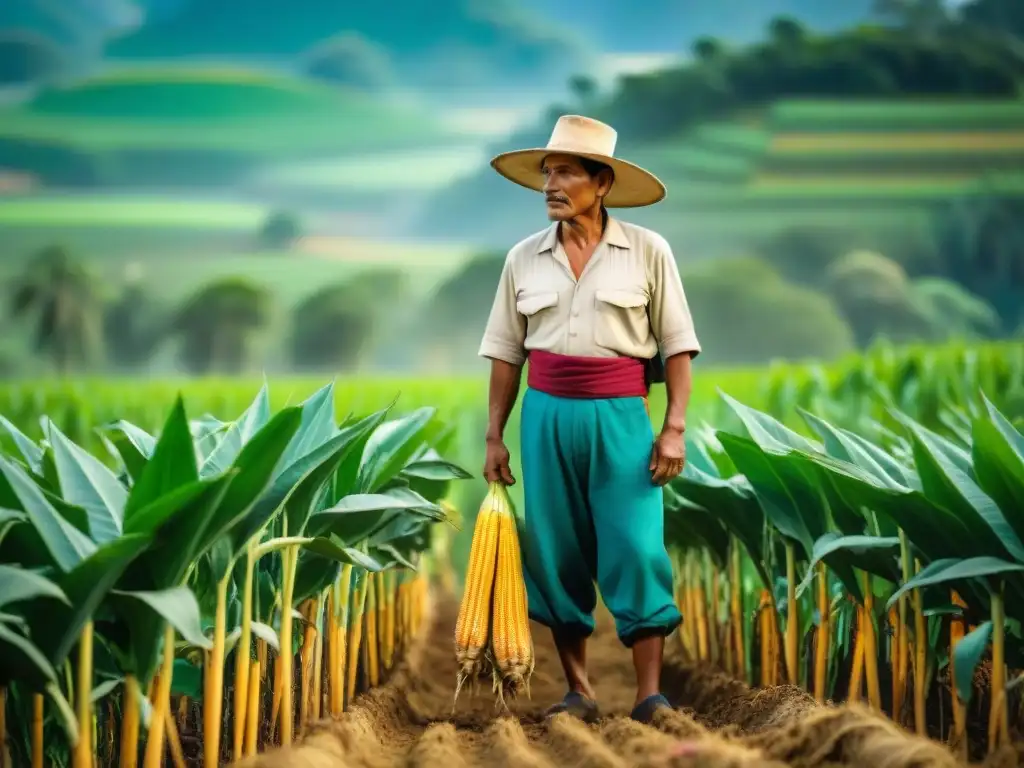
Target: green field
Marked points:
230	109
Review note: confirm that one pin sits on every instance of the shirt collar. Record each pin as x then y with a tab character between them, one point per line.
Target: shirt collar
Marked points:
613	235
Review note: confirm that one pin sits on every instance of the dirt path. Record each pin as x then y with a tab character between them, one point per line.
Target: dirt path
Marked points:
719	722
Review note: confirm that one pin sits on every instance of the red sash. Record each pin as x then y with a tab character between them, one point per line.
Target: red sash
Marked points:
587	378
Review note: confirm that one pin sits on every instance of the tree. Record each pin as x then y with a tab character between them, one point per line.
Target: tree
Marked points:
921	17
584	88
131	329
786	32
216	326
708	49
280	230
335	326
1004	16
63	299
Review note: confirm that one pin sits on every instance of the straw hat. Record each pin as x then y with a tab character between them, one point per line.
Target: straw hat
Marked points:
584	137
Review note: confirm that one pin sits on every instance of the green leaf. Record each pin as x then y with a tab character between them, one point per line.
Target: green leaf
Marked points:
356	517
253	469
317	424
436	469
86	482
178	607
390	448
187	680
787	494
945	482
17	584
951	570
1013	436
133	444
768	433
265	633
8	519
875	554
999	469
238	433
173	463
854	449
21	660
66	545
334	549
56	627
967	655
31	452
155	515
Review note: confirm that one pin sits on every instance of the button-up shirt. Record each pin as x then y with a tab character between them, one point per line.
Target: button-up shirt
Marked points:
628	301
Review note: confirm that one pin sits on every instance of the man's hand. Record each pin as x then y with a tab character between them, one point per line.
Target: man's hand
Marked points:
668	456
496	469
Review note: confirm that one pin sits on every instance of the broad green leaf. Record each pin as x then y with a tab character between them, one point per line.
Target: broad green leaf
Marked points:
392	557
735	502
56	627
17	584
944	481
356	517
187	680
435	468
967	655
265	633
390	448
172	465
86	482
20	659
162	511
333	548
178	607
238	433
8	519
854	449
307	472
999	469
313	574
317	424
347	476
66	545
308	493
948	571
1013	436
253	469
769	433
133	444
875	554
103	689
31	452
787	497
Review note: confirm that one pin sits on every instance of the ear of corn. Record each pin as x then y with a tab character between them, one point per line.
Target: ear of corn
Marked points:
492	633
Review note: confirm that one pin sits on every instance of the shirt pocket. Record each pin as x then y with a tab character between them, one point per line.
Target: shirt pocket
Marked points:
621	323
529	304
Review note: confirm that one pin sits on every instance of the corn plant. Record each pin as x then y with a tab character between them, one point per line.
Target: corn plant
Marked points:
909	539
133	577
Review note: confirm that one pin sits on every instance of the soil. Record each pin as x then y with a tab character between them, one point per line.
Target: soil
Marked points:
718	721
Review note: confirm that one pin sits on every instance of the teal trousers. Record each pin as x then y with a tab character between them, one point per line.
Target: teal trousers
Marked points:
593	514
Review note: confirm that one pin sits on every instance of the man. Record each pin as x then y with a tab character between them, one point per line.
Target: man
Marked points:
589	302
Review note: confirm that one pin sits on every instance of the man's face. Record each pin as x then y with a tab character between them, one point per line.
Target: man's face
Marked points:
568	189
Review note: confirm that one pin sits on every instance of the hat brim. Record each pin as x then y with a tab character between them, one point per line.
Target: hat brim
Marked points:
634	186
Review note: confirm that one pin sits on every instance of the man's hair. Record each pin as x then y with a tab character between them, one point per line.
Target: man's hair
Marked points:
594	167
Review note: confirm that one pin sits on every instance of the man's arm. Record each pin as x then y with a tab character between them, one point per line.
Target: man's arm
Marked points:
502	344
673	328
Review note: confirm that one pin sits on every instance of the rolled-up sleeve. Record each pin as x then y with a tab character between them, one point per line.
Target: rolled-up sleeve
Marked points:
505	333
670	317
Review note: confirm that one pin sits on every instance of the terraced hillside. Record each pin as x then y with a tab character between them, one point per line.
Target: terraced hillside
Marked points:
878	164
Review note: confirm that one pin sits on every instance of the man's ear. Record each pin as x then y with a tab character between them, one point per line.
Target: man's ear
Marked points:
607	179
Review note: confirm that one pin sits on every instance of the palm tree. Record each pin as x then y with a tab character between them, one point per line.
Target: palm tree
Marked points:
63	299
217	325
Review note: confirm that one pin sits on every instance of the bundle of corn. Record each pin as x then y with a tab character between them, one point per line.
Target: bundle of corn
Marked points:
492	633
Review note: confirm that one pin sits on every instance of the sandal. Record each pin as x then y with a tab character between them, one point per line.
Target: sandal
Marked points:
644	711
577	705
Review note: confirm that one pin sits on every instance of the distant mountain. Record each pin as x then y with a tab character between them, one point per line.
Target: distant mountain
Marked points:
450	43
672	25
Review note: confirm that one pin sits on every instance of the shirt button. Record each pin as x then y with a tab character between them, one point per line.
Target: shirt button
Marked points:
572	333
576	313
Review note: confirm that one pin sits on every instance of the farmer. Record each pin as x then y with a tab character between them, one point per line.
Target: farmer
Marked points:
590	302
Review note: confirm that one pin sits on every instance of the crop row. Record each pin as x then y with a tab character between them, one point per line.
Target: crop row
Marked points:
158	584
